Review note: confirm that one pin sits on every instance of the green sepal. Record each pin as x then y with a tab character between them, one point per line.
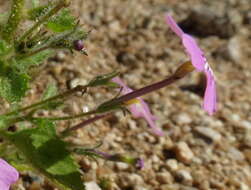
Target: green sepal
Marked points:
104	80
110	106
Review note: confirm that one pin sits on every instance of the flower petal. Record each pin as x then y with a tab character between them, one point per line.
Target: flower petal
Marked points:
200	63
8	175
196	54
125	88
139	109
210	98
173	25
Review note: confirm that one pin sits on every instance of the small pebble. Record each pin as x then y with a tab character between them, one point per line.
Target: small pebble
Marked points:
164	177
184	177
92	186
60	56
182	119
172	164
183	152
121	166
75	82
235	154
234	51
209	133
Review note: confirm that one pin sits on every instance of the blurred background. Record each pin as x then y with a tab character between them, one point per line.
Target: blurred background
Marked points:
198	151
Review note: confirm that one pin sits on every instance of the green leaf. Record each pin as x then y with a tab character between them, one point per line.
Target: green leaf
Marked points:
50	91
5	121
13	85
23	64
35	3
4	48
48	154
3	17
62	22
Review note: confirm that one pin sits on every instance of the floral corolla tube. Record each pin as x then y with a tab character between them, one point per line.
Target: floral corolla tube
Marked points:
139	108
200	63
8	175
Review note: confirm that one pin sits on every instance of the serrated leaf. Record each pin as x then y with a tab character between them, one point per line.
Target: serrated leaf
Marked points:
62	22
48	154
23	64
13	85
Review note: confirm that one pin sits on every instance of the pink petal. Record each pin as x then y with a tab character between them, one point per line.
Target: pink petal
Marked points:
140	109
136	112
210	98
125	88
197	57
200	63
153	126
174	26
8	175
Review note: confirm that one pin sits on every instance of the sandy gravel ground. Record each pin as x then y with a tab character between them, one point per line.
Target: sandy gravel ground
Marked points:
198	152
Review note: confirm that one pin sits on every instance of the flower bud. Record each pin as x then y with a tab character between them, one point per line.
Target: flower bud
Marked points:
78	45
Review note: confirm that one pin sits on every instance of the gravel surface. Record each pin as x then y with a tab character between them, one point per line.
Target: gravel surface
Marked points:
198	152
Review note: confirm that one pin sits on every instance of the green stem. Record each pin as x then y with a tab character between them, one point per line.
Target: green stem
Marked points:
64	94
67	117
61	4
31	53
14	19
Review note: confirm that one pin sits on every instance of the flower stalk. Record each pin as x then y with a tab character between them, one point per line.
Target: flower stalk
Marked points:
180	73
118	103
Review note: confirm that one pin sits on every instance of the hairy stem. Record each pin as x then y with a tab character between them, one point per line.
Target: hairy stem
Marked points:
64	94
14	19
67	117
61	4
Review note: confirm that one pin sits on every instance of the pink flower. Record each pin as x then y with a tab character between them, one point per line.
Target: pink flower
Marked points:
139	108
8	175
200	63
